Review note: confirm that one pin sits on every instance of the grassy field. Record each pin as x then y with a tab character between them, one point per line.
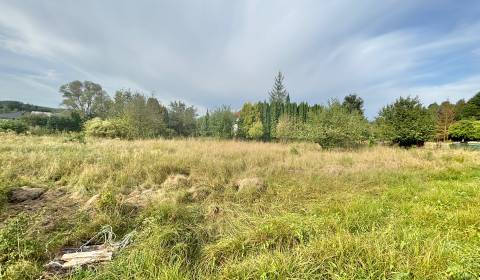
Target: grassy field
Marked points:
205	209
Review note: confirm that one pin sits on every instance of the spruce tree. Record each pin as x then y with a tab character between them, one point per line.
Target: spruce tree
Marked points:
278	94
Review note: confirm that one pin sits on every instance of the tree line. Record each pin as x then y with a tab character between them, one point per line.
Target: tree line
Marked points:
339	123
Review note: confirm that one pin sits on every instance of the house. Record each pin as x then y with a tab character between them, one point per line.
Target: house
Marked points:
38	113
11	115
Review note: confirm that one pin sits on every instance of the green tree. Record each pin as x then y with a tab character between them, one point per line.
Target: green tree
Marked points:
471	110
182	118
335	126
256	131
87	98
353	103
16	126
249	115
221	122
279	94
157	116
406	122
287	128
465	130
459	106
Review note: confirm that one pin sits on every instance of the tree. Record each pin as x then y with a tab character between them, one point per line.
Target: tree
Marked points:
353	103
406	122
157	116
287	128
221	122
334	126
120	100
182	118
249	115
459	106
445	117
256	131
87	98
278	94
465	130
471	110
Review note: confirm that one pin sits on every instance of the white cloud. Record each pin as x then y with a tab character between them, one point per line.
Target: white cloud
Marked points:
215	52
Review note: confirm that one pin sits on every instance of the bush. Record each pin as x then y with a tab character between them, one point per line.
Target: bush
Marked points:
406	122
256	131
13	125
70	122
288	129
113	128
335	126
465	130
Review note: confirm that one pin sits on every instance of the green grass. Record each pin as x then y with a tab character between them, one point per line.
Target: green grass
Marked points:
374	213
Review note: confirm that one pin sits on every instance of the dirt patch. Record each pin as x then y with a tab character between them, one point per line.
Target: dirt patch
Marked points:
25	193
51	203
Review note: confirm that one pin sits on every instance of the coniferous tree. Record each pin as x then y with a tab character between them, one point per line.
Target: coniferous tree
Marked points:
278	94
471	109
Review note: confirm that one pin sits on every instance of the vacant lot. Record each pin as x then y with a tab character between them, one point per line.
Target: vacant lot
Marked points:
237	210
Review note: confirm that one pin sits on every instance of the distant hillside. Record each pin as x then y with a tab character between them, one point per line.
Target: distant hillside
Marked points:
14	106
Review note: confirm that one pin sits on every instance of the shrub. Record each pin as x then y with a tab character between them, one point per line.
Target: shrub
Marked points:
113	128
335	126
256	131
465	130
288	128
406	122
13	125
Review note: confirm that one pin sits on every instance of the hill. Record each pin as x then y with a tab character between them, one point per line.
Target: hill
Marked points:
15	106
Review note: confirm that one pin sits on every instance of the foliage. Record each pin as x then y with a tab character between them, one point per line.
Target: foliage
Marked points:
335	126
182	118
249	115
353	103
256	131
16	126
279	94
406	122
289	128
219	123
445	117
112	128
465	130
472	108
86	98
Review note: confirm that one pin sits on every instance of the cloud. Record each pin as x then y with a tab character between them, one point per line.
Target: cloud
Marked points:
227	52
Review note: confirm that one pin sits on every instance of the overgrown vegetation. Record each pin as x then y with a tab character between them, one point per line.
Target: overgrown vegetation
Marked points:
133	115
244	210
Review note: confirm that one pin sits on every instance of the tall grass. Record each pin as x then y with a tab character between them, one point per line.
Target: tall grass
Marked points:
373	213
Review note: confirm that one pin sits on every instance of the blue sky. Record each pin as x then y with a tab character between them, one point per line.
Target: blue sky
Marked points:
215	52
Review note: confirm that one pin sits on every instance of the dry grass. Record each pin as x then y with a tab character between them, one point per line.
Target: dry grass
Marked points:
374	213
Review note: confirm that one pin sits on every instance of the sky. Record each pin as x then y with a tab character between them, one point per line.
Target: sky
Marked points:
213	52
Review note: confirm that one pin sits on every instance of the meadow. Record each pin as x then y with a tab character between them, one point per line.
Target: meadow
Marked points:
217	209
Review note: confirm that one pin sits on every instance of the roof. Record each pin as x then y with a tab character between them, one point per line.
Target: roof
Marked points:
12	115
